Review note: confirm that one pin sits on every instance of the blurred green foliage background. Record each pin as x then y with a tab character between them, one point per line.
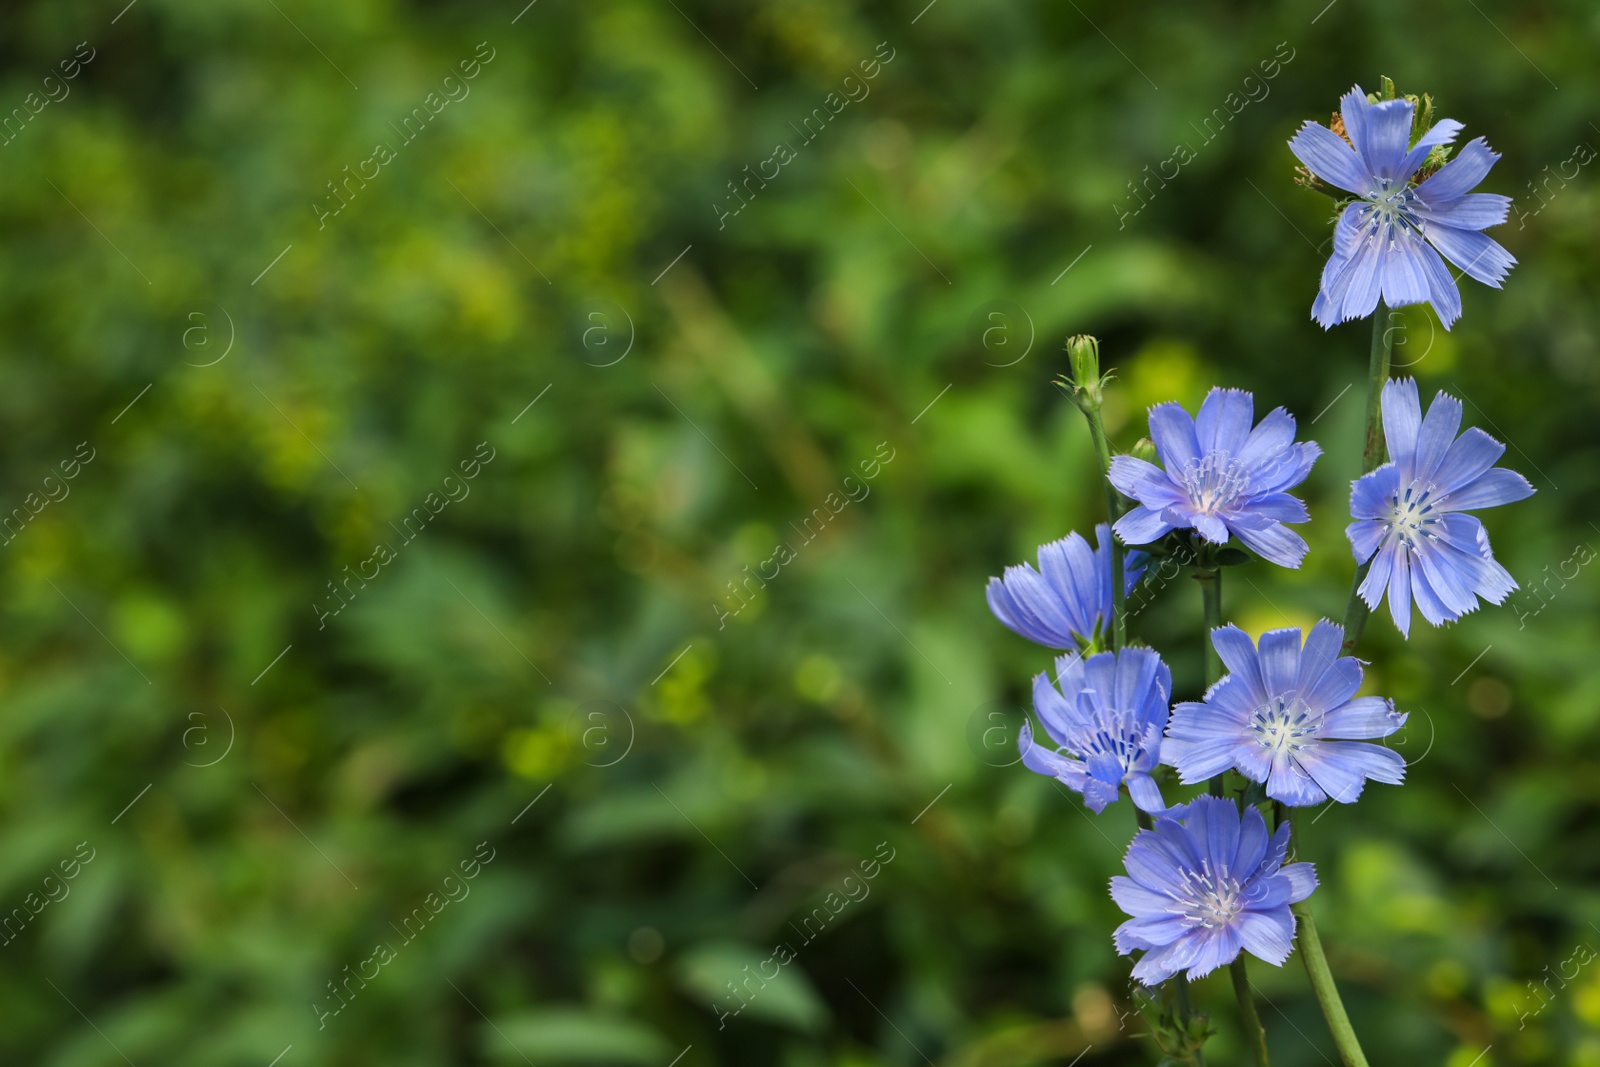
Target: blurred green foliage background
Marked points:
561	634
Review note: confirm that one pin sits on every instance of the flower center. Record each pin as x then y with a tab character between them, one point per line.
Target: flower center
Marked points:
1213	482
1118	736
1411	514
1211	898
1284	724
1392	211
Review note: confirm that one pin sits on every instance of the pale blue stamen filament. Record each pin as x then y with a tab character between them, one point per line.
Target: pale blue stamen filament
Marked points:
1413	513
1284	725
1213	482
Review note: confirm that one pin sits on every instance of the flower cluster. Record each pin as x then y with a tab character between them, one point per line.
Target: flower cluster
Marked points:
1281	723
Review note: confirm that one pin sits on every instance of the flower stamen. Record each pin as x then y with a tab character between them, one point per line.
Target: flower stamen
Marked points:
1411	514
1213	482
1284	725
1209	898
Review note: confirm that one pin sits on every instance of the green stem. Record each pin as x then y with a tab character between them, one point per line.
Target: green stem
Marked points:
1355	620
1372	457
1210	579
1180	997
1254	1032
1322	984
1119	609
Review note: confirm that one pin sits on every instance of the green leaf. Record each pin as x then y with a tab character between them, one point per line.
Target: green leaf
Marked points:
787	999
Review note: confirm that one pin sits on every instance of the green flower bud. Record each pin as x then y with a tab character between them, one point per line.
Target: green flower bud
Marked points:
1086	382
1084	353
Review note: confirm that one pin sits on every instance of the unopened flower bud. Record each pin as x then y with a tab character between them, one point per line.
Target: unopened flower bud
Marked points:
1085	382
1144	449
1084	353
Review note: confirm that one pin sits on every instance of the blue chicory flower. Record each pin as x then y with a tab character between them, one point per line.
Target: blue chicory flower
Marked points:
1108	718
1069	596
1271	718
1203	887
1388	242
1221	477
1408	512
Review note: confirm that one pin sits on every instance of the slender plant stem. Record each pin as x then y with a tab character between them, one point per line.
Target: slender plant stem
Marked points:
1255	1034
1180	986
1119	608
1210	578
1322	984
1355	620
1372	457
